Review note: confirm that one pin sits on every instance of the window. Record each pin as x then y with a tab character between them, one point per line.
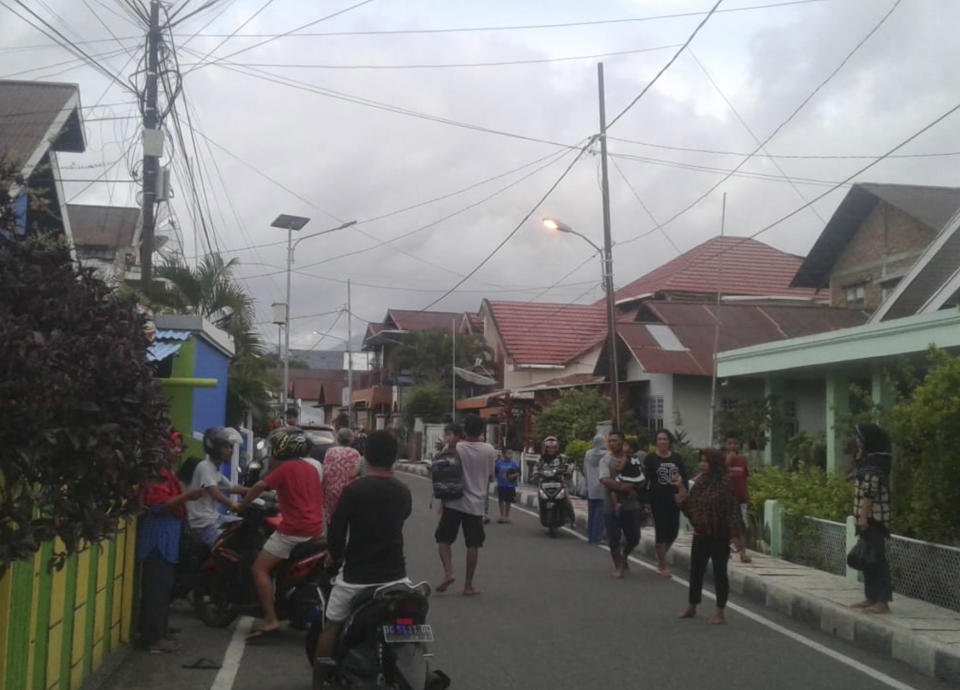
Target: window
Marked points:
790	421
855	294
655	413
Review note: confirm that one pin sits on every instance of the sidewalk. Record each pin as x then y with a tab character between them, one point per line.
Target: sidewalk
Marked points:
922	635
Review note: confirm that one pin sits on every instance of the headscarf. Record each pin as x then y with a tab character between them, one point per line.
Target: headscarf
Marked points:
159	491
875	457
712	506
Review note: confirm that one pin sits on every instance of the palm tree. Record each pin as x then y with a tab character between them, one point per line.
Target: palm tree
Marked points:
427	355
210	290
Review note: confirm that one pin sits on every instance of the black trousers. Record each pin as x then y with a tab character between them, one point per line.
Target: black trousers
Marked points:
877	585
709	549
156	591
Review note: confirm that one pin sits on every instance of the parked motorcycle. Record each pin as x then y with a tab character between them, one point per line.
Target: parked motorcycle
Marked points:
552	495
383	642
224	587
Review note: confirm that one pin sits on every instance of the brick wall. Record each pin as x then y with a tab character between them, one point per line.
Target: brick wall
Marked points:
887	244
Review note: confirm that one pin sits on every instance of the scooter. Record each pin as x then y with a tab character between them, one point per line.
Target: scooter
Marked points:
552	496
383	642
224	587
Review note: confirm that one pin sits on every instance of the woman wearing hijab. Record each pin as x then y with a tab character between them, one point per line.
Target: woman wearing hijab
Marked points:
158	549
714	512
871	509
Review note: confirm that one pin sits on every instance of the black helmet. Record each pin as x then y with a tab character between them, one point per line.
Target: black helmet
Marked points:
216	436
289	442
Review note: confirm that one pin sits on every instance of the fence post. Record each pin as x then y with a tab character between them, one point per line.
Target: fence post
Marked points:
852	575
773	523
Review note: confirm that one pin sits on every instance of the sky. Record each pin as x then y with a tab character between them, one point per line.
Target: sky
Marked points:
311	125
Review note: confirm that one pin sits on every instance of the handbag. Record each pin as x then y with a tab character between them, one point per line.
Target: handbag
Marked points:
863	556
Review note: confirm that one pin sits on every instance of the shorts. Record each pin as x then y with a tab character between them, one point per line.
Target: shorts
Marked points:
280	545
666	522
450	521
507	494
342	596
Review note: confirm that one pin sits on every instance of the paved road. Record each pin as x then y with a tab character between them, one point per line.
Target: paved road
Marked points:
551	617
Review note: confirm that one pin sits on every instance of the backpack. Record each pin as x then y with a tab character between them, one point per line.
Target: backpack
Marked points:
446	473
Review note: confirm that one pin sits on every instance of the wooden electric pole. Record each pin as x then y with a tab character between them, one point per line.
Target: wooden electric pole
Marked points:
151	155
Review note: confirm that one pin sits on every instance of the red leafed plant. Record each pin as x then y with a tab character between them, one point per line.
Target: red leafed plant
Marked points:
83	421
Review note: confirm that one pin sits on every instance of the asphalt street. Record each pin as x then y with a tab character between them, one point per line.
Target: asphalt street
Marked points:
550	617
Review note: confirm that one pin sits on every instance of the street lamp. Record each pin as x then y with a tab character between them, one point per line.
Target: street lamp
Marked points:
607	259
291	223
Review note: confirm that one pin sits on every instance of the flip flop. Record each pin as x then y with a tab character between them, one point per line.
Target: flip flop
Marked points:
203	664
264	635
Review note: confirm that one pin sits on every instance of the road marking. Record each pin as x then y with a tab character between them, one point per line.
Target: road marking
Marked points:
234	654
757	618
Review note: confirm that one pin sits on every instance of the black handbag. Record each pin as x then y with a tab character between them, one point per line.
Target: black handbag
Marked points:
862	556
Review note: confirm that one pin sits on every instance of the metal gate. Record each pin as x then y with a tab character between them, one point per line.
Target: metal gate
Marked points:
432	434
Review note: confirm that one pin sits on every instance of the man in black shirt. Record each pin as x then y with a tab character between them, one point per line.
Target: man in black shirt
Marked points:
373	510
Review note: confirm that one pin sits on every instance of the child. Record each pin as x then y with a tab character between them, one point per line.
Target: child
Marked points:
631	472
507	472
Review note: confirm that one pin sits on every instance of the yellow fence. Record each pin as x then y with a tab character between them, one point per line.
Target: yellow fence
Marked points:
57	628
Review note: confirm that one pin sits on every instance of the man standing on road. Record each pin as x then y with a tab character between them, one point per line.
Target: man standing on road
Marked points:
366	533
477	459
622	516
596	493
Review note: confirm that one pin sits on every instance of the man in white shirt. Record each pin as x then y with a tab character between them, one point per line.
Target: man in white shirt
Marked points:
205	520
477	459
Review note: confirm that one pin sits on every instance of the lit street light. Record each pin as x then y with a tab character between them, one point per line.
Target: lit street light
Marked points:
607	259
291	223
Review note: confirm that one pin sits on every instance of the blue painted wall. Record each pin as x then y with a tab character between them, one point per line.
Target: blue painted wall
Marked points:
210	404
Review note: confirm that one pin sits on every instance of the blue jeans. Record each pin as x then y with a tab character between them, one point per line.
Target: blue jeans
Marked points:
594	520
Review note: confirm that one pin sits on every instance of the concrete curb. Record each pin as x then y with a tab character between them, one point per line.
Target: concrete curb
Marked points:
884	636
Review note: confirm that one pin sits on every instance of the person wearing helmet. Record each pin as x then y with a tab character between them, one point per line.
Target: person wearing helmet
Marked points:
204	519
550	455
298	480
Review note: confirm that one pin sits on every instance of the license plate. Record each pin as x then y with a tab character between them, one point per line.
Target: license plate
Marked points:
394	634
551	485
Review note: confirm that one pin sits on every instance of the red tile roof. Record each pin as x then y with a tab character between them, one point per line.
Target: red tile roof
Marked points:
735	265
741	325
547	333
476	322
422	320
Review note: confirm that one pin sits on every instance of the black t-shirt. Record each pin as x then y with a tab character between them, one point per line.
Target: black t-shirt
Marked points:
374	510
660	473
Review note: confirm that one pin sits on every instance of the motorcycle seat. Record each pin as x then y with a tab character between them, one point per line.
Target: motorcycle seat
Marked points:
308	548
421	589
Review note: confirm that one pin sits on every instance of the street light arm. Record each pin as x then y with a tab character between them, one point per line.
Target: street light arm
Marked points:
585	239
323	232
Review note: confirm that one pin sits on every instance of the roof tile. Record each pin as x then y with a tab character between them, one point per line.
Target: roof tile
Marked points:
548	333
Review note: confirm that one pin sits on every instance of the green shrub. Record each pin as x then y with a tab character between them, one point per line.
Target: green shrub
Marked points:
429	400
807	491
575	452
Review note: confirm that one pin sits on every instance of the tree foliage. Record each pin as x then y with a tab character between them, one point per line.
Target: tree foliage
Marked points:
805	491
576	415
428	355
430	400
83	418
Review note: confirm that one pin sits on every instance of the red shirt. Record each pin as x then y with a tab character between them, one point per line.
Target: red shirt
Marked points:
738	472
300	491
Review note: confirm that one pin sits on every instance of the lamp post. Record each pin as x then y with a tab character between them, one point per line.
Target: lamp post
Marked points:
607	259
291	223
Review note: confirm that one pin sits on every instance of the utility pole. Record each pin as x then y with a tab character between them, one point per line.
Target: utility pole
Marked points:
151	156
608	257
716	326
453	370
349	356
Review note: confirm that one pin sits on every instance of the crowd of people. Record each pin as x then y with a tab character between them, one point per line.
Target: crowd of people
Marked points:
353	499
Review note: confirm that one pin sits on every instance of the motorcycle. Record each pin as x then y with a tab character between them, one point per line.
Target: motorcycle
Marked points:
552	496
383	642
224	587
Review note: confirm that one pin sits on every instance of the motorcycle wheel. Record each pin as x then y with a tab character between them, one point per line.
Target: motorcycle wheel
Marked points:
310	643
410	668
553	532
210	603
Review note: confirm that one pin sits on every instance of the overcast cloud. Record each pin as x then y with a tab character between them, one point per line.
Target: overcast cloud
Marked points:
355	162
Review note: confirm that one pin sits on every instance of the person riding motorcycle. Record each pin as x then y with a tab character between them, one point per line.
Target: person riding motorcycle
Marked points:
298	481
205	521
550	456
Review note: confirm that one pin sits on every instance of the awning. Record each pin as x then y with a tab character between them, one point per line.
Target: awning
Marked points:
158	352
473	377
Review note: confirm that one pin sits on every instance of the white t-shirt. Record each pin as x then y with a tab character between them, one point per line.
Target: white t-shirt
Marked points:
203	512
478	459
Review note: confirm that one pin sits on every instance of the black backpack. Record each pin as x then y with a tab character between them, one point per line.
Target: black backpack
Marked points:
446	473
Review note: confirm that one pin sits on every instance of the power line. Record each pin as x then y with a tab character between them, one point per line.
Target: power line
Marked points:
663	69
636	196
229	36
783	124
516	229
451	65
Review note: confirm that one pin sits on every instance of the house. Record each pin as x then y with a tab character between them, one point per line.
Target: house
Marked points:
38	121
916	309
873	239
192	359
106	238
